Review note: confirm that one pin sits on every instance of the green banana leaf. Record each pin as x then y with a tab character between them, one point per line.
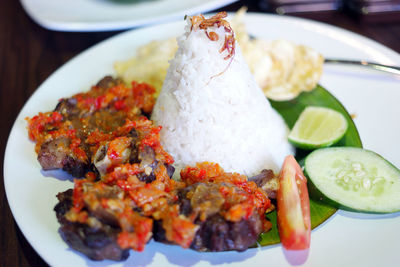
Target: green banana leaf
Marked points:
290	111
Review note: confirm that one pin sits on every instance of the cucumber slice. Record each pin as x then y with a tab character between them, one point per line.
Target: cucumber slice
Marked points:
354	179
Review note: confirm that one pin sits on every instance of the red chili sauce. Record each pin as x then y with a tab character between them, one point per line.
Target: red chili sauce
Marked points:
119	195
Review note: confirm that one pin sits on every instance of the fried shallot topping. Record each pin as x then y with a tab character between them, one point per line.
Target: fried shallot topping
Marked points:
199	22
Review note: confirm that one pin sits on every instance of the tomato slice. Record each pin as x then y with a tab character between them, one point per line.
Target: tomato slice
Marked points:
293	207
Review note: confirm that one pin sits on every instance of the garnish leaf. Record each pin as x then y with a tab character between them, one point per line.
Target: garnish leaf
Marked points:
290	111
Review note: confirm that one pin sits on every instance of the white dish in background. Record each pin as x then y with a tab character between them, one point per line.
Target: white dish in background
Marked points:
346	239
107	15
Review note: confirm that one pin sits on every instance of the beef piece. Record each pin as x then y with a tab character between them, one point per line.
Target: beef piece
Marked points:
146	178
75	167
267	181
170	170
97	110
185	207
105	215
145	157
107	82
148	162
53	153
98	243
134	156
159	232
63	205
67	107
106	120
217	234
56	154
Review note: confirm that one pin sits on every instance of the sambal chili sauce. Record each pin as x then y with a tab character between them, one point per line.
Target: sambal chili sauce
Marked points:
120	197
135	204
95	116
241	197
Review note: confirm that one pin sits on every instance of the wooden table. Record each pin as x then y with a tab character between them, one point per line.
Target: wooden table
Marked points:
29	54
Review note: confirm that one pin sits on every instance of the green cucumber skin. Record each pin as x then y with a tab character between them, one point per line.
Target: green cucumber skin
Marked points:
316	194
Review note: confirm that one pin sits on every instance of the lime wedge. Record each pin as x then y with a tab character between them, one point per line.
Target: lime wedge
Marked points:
318	127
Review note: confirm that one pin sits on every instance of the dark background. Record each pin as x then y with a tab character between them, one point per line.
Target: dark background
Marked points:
29	54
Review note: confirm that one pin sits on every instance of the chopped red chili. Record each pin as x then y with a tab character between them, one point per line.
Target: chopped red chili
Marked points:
120	192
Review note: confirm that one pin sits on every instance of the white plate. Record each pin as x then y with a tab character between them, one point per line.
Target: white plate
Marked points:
106	15
346	239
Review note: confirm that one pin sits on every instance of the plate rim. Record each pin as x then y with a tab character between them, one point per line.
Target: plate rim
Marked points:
80	26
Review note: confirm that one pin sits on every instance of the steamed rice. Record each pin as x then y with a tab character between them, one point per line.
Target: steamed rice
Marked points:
212	109
281	68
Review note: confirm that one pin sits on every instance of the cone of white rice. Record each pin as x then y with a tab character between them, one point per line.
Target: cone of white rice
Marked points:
211	108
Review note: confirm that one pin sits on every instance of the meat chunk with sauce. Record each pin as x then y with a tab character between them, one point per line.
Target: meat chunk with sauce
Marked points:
97	242
73	136
208	210
218	234
228	208
215	232
56	154
268	181
103	219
